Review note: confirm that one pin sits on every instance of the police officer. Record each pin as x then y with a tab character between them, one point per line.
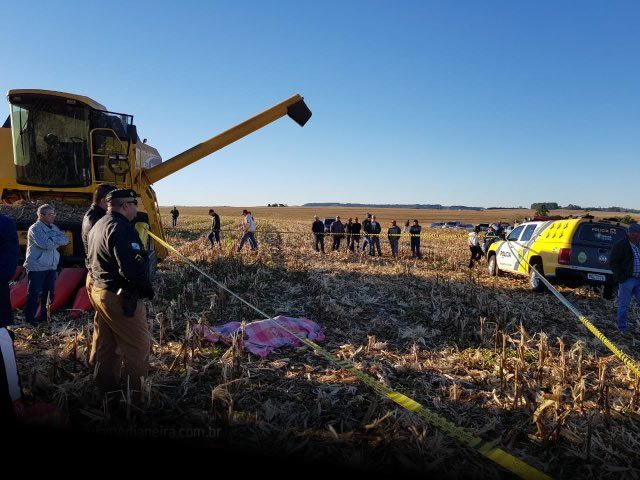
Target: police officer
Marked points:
119	270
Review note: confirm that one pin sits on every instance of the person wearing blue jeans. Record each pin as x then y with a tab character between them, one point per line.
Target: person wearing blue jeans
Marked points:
41	287
625	264
249	226
626	290
41	262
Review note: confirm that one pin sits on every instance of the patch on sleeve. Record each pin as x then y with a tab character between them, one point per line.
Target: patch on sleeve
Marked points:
135	246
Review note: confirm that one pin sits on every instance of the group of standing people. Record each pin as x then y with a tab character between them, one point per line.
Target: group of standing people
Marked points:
118	278
248	230
370	230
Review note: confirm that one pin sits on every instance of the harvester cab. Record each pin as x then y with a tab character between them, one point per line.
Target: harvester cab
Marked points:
58	147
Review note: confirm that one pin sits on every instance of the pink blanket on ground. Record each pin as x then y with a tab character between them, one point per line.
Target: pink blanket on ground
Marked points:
262	336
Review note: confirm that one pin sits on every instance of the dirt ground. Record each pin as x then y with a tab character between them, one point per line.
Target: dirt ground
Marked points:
506	364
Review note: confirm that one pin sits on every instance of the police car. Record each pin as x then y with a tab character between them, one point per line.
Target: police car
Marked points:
572	252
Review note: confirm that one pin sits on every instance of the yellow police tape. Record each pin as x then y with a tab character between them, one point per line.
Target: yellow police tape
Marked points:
497	455
362	235
590	326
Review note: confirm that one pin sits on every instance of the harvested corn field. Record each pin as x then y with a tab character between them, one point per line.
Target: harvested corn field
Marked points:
484	352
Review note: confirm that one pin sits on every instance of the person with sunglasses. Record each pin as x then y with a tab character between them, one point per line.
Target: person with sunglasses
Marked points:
119	269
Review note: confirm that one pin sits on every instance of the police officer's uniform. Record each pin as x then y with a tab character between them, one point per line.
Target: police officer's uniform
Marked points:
119	270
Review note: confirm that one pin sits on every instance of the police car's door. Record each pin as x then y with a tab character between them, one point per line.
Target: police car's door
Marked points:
506	254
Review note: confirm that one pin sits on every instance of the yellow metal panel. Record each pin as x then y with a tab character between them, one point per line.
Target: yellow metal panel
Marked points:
6	154
67	250
79	98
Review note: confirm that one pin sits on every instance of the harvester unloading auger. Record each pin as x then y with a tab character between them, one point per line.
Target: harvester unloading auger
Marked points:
58	147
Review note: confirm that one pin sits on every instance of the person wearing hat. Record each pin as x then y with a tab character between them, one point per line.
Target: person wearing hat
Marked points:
625	264
393	234
249	227
41	262
119	270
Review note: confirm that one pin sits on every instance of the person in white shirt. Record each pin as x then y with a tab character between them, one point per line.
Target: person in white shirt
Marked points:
249	227
474	246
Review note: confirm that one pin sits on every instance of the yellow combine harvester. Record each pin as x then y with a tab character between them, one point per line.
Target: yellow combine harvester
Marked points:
58	147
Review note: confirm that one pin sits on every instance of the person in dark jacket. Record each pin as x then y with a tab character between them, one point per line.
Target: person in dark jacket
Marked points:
354	241
337	231
8	264
119	269
175	213
393	234
366	228
214	236
97	210
317	227
625	264
348	230
10	391
490	237
414	231
376	230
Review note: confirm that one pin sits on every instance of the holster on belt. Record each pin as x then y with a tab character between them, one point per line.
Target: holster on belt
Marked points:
129	301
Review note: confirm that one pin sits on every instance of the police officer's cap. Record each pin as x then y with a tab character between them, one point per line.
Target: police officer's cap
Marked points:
121	193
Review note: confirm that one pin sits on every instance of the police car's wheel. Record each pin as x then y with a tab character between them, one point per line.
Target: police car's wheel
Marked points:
493	266
535	283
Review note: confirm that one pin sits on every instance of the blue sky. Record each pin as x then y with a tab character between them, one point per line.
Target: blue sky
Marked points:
453	102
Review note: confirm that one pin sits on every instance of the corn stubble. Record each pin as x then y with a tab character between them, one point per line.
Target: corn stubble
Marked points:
484	352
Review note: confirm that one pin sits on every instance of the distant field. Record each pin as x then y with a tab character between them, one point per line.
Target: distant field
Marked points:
384	215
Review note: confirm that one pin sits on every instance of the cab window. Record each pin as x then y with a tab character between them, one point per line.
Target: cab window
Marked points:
513	236
528	233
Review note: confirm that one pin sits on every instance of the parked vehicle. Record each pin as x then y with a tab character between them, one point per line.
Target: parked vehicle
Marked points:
455	224
571	252
327	223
